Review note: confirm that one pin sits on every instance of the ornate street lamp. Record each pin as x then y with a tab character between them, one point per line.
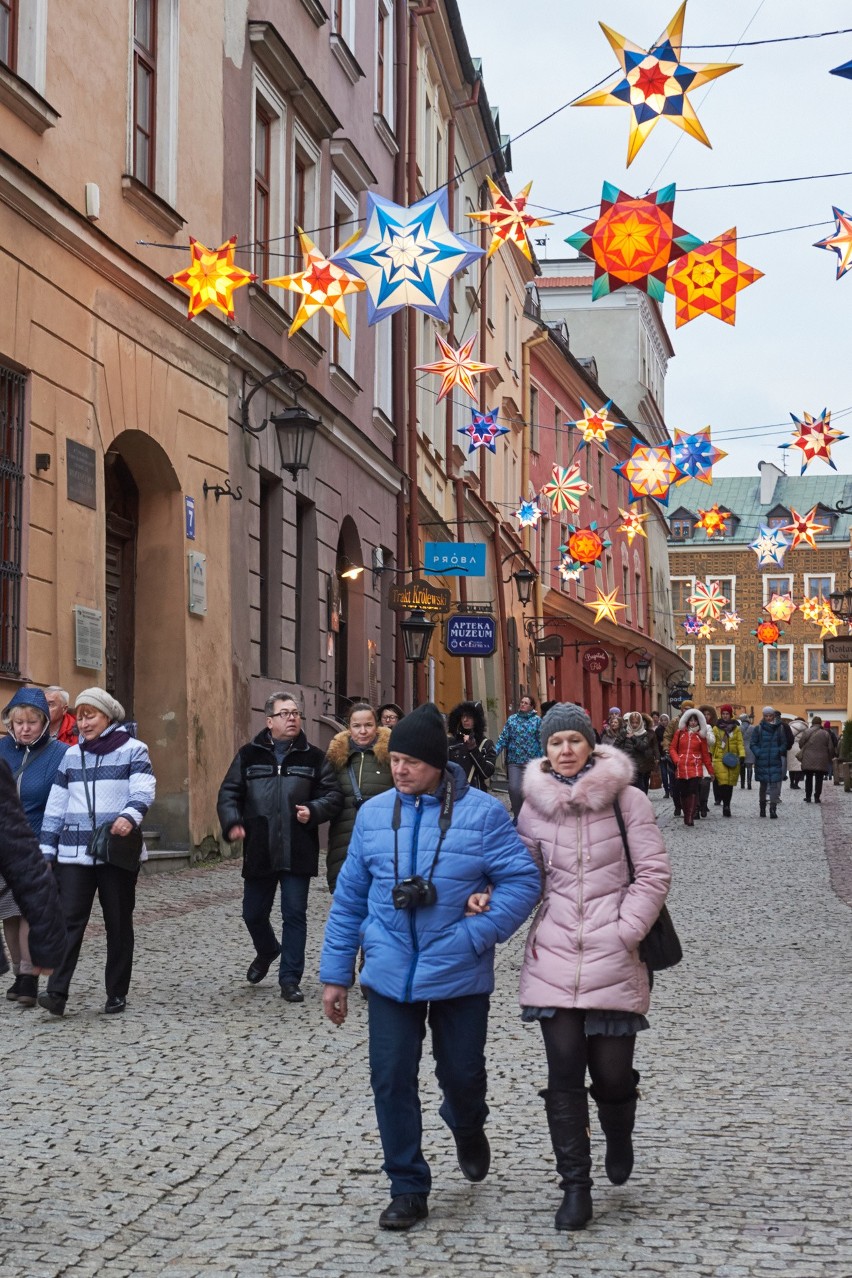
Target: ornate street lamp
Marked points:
524	581
416	635
642	665
294	426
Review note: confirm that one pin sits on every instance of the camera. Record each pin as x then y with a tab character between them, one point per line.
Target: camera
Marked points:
409	893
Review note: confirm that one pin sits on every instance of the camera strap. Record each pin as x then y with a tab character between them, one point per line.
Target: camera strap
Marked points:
444	822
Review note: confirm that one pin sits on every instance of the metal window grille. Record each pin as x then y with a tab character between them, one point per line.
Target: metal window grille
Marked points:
12	386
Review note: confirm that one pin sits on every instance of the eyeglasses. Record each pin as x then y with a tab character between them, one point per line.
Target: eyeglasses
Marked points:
286	714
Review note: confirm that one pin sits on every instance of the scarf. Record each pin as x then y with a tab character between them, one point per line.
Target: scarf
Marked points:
106	743
587	766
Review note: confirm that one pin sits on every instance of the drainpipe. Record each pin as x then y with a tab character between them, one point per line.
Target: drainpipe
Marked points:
526	410
501	612
398	362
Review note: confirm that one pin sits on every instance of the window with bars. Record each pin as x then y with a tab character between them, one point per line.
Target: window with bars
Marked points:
9	33
262	190
12	390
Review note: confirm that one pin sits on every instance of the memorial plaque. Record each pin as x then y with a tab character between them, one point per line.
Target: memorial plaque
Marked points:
88	638
80	464
197	569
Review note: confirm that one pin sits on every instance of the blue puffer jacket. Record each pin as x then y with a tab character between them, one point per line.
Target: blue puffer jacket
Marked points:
430	952
39	761
769	746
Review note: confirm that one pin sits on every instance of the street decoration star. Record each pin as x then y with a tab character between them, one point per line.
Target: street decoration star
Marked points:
605	607
844	70
708	602
713	520
655	84
692	625
323	286
695	456
569	570
767	634
565	488
483	430
632	241
528	514
840	241
509	220
769	545
632	525
812	607
585	545
594	425
407	256
649	471
707	279
804	528
731	620
705	630
814	437
211	277
456	367
781	607
828	623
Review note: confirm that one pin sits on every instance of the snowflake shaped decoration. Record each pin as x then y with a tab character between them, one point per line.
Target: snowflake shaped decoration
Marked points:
731	620
483	430
708	601
804	528
509	220
767	634
456	367
604	606
649	471
769	545
569	570
781	607
713	521
814	437
565	488
211	277
811	608
691	625
695	456
528	513
594	425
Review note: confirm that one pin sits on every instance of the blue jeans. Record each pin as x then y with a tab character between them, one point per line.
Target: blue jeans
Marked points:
459	1028
258	899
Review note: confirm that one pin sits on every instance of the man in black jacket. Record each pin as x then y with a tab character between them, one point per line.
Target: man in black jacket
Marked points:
278	790
31	880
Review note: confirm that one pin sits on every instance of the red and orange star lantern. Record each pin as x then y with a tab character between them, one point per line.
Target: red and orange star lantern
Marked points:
605	607
840	242
649	471
707	279
632	241
708	601
565	488
322	284
456	367
804	528
211	277
632	525
594	425
585	545
713	521
509	220
767	634
781	607
814	437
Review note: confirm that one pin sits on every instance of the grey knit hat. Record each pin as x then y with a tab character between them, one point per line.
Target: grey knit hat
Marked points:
101	700
566	717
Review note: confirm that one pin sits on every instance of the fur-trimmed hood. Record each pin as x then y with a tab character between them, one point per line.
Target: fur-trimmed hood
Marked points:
341	749
687	715
474	709
613	771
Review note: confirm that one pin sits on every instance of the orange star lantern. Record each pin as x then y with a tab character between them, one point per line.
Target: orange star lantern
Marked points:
649	471
585	545
804	528
781	607
767	633
456	368
509	220
713	520
604	606
594	425
211	277
706	280
322	284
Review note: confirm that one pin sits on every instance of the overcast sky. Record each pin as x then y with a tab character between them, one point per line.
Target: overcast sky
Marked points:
780	115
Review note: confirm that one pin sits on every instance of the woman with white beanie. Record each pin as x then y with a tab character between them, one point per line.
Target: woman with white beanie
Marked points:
106	780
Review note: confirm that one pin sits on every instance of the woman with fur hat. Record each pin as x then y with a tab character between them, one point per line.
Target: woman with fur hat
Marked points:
582	978
359	756
469	746
690	755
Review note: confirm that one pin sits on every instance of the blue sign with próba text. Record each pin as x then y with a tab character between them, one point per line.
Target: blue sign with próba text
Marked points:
454	558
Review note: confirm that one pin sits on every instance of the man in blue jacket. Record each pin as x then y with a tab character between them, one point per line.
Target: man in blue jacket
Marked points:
418	853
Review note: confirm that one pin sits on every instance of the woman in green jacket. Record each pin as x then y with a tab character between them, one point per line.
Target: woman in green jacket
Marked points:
729	743
361	762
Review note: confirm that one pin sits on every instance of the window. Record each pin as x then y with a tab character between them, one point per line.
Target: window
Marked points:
776	586
12	388
534	419
558	435
727	585
681	529
816	669
9	33
600	491
262	190
687	653
819	585
682	588
720	665
382	24
144	90
778	665
269	567
383	384
609	573
640	609
306	606
152	113
271	252
625	591
344	215
777	521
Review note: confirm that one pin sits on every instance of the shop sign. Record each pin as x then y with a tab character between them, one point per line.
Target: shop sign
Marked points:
595	660
470	636
419	594
837	649
454	558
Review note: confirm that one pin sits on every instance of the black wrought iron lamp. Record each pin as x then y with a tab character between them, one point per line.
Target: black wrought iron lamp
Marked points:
840	602
416	635
294	426
642	665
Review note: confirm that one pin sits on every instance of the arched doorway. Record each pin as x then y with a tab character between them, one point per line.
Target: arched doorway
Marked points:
122	521
350	653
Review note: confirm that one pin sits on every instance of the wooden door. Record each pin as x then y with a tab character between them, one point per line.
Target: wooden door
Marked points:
122	514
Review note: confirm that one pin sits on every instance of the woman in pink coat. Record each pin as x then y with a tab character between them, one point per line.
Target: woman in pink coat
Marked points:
582	977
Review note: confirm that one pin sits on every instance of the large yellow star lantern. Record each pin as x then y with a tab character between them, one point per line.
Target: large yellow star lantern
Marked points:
322	284
632	525
804	528
828	623
840	242
604	607
713	521
211	277
812	607
654	83
509	220
781	607
594	425
706	280
456	368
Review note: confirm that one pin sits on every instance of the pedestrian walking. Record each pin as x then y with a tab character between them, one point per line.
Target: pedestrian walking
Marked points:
105	780
666	767
728	755
389	714
29	876
816	751
747	770
360	759
794	768
520	740
613	726
277	792
844	756
668	737
637	740
470	746
582	978
691	757
708	783
63	724
769	747
417	854
33	757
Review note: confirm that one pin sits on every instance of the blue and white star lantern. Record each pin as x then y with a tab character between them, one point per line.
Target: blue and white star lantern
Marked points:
407	256
769	546
569	569
483	430
528	514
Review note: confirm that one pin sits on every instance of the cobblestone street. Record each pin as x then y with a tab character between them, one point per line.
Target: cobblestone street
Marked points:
214	1130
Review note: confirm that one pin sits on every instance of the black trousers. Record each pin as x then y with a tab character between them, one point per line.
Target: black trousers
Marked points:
813	782
116	891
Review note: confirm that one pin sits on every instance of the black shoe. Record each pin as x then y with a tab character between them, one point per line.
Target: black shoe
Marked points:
773	814
14	990
474	1154
726	811
114	1005
404	1211
807	798
576	1209
27	991
292	994
53	1003
259	967
815	801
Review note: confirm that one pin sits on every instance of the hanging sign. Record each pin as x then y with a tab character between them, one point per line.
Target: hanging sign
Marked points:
837	649
419	594
454	558
470	636
595	660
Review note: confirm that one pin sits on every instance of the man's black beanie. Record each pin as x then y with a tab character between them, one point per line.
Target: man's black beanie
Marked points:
422	734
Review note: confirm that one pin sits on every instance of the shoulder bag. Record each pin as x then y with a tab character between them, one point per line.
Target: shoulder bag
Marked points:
661	948
105	848
731	760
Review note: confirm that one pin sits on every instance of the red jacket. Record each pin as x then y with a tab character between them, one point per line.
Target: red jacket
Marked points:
689	752
67	733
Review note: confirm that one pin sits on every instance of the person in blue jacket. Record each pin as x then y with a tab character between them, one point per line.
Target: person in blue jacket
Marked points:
417	853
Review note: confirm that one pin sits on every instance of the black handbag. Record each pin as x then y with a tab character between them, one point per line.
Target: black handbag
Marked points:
105	848
661	948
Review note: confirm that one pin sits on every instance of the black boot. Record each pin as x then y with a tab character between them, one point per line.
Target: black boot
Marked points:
763	807
568	1120
27	991
690	803
14	989
773	814
726	809
617	1120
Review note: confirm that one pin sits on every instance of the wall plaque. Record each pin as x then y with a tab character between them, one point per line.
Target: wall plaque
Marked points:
197	570
88	638
80	464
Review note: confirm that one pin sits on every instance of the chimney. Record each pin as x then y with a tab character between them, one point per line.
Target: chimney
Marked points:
769	476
